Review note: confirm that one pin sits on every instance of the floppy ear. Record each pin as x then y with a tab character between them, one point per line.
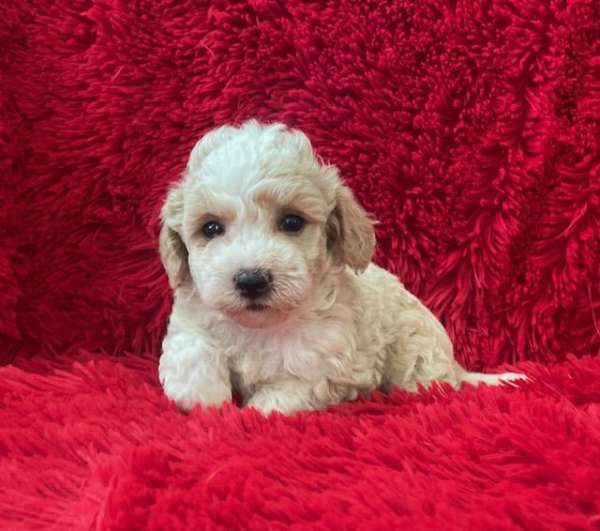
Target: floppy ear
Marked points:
350	233
173	251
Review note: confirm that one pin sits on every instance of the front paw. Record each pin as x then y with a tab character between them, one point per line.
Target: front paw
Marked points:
188	390
283	400
187	397
266	403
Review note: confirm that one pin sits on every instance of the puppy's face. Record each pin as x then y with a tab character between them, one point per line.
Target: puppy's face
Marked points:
255	239
258	222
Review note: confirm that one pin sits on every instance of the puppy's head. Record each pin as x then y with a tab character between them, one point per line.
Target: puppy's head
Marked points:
258	222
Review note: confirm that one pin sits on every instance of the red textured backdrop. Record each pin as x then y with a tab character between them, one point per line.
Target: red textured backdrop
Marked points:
470	129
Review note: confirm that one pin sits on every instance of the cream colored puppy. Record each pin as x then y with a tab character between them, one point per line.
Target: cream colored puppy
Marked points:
275	296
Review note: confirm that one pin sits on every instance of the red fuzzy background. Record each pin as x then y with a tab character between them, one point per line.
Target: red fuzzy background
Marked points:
471	130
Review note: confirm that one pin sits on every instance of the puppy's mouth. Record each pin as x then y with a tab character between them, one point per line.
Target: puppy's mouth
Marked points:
257	307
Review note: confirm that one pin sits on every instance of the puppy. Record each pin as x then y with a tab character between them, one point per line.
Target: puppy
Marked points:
269	256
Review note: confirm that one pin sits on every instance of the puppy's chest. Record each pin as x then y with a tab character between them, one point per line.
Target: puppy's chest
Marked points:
255	359
309	351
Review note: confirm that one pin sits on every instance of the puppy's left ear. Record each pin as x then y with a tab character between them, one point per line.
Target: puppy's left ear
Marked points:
350	233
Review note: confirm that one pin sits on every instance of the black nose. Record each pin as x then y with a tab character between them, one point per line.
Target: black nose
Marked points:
252	283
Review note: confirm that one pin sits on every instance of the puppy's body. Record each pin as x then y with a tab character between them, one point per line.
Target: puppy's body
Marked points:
331	326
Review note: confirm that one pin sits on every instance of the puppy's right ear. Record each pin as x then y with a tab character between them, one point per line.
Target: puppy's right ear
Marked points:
173	252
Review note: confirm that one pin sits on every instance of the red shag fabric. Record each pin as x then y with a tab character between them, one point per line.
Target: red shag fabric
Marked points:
470	129
94	445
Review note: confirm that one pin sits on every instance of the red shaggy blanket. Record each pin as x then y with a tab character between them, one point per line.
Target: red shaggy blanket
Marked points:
471	130
94	445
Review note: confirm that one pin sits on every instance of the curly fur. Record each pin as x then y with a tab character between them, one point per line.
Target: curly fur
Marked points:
335	324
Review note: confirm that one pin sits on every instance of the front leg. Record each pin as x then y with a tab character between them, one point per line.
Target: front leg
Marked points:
287	396
192	372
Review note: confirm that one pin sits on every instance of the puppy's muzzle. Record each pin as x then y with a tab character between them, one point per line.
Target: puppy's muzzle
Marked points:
253	283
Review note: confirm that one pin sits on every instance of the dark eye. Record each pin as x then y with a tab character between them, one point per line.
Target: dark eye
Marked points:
211	229
291	223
